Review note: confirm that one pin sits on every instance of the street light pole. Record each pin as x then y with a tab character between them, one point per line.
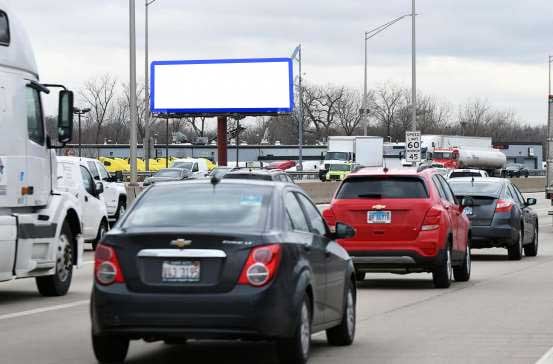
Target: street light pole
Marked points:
414	70
79	113
132	84
147	147
297	55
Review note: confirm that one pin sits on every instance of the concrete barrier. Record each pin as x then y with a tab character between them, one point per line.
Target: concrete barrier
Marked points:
322	192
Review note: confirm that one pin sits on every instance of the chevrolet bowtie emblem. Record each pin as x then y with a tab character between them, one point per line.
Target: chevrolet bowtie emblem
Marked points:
379	207
181	243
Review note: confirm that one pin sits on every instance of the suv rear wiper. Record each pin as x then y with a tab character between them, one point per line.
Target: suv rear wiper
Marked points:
370	195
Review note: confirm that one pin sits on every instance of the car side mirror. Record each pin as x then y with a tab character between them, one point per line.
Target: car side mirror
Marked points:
531	202
467	201
65	116
99	188
343	231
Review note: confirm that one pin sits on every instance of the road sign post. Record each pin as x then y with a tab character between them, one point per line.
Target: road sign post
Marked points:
413	146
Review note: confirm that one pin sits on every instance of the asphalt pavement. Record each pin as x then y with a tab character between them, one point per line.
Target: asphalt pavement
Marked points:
504	314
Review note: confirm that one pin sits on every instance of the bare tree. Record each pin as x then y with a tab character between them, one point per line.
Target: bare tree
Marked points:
388	101
98	94
347	111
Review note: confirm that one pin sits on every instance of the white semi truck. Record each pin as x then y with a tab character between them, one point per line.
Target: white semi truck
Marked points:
366	151
40	227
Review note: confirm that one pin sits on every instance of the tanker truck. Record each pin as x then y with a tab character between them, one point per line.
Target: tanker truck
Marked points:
489	160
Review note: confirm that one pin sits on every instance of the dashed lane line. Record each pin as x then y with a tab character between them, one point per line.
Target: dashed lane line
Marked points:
43	309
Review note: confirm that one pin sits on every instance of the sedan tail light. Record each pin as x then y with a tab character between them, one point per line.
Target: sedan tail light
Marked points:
261	266
106	266
432	220
503	206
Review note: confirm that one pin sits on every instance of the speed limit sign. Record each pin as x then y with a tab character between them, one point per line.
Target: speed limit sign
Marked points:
413	146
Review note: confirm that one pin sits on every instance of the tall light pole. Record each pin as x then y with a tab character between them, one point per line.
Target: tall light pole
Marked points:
132	83
368	35
414	69
296	55
80	112
147	147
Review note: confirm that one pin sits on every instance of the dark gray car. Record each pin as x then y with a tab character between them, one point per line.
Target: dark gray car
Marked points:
168	175
499	214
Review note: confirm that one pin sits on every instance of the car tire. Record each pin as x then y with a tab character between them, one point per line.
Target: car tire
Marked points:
532	249
360	276
295	350
58	284
344	334
515	250
110	349
121	208
102	230
462	273
443	272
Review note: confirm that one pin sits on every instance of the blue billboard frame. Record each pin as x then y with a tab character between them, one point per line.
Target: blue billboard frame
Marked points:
223	111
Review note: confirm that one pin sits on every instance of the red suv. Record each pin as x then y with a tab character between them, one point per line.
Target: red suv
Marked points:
407	221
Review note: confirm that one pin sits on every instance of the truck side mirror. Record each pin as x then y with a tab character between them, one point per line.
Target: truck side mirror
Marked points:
65	116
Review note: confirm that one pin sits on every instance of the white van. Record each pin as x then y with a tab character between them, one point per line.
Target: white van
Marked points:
74	177
115	195
198	166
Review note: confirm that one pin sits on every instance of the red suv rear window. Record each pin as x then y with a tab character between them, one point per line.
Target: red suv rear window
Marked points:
382	187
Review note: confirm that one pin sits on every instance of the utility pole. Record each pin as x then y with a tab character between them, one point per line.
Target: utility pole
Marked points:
147	146
297	55
414	69
132	83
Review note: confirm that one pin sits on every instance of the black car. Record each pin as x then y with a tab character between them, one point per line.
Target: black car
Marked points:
499	214
168	175
515	170
249	260
259	174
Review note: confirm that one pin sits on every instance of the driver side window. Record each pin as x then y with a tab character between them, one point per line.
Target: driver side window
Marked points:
88	182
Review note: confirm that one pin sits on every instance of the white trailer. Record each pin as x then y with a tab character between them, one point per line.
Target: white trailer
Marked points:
40	227
363	150
369	151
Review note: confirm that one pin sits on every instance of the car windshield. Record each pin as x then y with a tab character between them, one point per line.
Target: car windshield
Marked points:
442	155
464	188
175	173
340	167
202	206
183	165
251	176
382	187
336	156
458	174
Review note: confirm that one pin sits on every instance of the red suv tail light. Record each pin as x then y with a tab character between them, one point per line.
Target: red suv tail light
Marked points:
503	206
432	220
261	266
106	266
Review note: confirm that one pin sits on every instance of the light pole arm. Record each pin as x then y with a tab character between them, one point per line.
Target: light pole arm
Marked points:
373	32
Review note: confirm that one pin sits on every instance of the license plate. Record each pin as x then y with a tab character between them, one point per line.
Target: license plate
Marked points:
379	217
467	211
180	271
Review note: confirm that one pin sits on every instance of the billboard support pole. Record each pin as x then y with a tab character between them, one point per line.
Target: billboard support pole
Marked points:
222	140
167	142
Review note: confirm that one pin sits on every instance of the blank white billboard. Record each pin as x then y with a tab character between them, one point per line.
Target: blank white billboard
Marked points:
249	86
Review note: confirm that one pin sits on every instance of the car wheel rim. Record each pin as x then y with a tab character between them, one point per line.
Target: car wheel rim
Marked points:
305	330
350	312
102	231
64	261
449	266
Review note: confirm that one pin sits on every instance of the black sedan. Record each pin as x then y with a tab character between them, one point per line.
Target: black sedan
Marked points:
515	170
168	175
234	259
499	215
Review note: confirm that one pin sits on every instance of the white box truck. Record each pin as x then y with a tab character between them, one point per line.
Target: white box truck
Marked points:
40	227
367	151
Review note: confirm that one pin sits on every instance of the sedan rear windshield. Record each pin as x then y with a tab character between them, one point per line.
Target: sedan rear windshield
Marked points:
202	206
382	187
477	188
250	176
465	174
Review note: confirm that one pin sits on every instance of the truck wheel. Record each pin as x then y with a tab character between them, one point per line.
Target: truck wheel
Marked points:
110	349
58	283
343	334
515	250
295	350
462	273
102	230
121	208
443	272
532	249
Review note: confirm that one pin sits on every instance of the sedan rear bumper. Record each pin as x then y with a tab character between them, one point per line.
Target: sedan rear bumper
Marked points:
492	236
245	312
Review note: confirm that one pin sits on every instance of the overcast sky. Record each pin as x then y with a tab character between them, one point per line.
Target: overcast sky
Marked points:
491	49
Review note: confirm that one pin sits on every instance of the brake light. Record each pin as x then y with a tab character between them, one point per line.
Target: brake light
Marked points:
261	266
432	220
330	218
106	266
503	206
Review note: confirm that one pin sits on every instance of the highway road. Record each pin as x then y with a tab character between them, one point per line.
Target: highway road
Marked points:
503	315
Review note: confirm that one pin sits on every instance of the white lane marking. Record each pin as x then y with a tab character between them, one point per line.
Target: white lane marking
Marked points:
43	309
547	358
